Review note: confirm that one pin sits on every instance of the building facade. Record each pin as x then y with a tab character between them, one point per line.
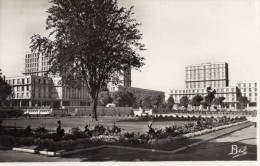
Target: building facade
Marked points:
36	64
34	91
206	75
230	93
138	92
214	75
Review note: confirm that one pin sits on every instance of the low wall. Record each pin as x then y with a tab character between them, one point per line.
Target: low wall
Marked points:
101	111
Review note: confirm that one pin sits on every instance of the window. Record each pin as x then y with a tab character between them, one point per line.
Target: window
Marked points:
249	84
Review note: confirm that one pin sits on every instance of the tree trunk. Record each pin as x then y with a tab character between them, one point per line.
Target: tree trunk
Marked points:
94	109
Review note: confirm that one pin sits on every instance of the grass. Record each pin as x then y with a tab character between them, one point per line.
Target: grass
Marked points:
127	124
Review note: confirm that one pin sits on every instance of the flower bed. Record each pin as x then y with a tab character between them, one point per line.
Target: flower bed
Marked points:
100	135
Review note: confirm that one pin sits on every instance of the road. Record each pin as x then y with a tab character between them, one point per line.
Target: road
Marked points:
217	149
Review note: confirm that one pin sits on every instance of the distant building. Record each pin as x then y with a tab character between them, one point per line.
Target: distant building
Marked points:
249	90
214	75
207	75
36	64
138	92
31	90
230	93
35	89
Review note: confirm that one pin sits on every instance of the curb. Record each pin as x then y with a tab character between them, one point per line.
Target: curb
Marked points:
63	153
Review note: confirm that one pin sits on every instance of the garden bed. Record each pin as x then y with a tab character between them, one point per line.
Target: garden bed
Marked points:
171	138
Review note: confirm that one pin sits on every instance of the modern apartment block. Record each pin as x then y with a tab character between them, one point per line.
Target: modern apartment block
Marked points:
35	89
36	64
214	75
207	74
230	93
31	90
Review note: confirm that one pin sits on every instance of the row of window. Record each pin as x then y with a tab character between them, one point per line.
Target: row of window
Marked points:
205	66
249	89
202	91
249	84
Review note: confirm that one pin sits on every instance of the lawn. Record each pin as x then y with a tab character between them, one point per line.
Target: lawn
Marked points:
128	124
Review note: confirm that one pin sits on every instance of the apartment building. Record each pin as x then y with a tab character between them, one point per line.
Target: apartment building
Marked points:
36	64
230	93
207	74
215	75
31	91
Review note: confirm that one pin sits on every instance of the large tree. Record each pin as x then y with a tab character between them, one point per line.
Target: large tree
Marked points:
196	101
209	97
184	101
5	89
90	43
123	98
243	101
170	103
157	100
219	101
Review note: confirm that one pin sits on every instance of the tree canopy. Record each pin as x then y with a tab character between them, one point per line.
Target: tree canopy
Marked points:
123	98
209	97
90	43
243	101
184	101
170	102
5	89
219	101
196	100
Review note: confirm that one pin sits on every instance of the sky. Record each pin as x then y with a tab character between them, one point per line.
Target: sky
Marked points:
176	33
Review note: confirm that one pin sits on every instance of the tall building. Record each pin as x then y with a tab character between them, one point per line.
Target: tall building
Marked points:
36	64
214	75
207	74
34	89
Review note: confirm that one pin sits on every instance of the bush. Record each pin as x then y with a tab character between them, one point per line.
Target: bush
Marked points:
99	130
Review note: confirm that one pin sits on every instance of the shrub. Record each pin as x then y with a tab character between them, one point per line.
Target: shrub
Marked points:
99	130
41	130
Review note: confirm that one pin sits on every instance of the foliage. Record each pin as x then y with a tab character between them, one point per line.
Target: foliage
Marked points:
99	130
105	98
157	100
219	101
243	101
94	42
123	98
5	90
209	97
196	100
170	102
41	130
184	101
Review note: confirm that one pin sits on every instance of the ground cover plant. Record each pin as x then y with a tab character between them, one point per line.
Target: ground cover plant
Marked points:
44	139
